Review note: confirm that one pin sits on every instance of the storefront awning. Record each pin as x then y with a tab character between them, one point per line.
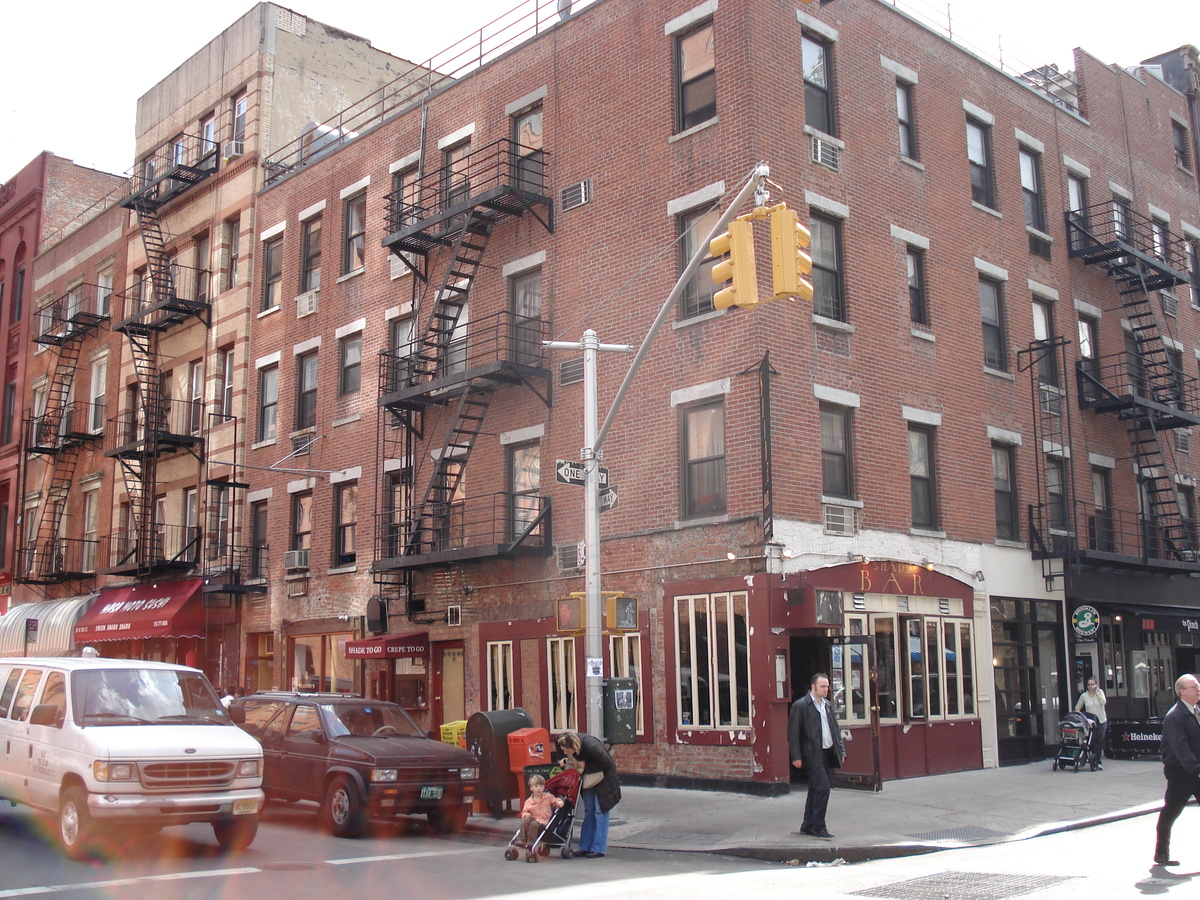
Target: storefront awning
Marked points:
54	633
166	610
390	646
1164	619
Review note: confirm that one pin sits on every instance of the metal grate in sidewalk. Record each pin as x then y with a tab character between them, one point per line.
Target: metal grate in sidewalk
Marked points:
964	833
964	886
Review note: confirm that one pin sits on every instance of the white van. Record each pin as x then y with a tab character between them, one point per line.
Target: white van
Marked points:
122	742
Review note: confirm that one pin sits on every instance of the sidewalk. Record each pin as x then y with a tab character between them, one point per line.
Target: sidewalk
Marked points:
914	815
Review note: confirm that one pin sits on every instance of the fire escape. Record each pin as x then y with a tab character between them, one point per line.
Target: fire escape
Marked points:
153	425
56	434
435	391
1147	392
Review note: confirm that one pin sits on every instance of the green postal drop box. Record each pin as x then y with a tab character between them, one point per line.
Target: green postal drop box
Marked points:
620	710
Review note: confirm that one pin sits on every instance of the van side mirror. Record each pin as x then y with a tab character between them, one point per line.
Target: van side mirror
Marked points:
47	714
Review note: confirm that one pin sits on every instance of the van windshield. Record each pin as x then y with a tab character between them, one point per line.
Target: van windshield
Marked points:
145	697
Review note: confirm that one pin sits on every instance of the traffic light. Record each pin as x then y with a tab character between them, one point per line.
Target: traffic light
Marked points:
789	261
569	612
739	268
620	612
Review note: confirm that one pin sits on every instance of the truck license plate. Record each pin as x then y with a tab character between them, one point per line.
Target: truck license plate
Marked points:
431	793
245	807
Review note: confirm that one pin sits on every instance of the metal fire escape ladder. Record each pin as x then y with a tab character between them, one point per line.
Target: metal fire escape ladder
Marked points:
139	466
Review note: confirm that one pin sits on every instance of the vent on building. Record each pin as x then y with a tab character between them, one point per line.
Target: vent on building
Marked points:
576	195
234	149
570	557
295	559
841	520
306	304
454	615
1170	304
570	371
1183	440
297	587
301	444
826	153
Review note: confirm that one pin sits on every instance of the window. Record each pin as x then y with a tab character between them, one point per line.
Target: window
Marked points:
258	539
310	254
18	295
195	397
203	274
704	460
191	524
354	239
979	155
907	124
1031	189
525	303
306	390
695	77
1193	256
1076	208
349	364
1179	135
1043	334
225	362
921	477
232	244
345	520
239	119
934	679
268	402
560	672
220	499
1159	237
918	298
272	273
625	651
818	84
99	390
524	483
991	310
529	159
456	174
8	432
1005	486
1056	497
826	249
406	195
835	452
302	521
500	675
208	135
712	666
694	227
104	289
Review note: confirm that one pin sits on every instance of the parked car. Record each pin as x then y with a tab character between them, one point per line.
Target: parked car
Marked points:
117	747
359	759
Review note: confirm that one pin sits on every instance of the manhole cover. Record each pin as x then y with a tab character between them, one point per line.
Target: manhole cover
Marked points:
964	886
965	833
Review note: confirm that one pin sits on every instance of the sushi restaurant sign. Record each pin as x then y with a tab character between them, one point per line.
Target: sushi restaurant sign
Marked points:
1086	621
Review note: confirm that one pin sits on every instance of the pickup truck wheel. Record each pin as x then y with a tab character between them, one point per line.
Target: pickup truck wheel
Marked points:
449	819
236	834
76	832
343	809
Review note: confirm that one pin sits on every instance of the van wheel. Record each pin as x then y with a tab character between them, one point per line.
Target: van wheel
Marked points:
235	835
75	830
343	809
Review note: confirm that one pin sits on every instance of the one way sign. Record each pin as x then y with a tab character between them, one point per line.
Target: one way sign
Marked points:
567	471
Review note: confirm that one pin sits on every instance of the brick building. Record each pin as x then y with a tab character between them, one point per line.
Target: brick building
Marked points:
1006	282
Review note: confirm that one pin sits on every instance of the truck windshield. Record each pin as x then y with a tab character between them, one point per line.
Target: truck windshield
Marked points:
145	697
363	720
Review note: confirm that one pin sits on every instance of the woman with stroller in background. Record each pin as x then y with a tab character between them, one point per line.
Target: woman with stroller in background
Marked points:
1092	702
601	789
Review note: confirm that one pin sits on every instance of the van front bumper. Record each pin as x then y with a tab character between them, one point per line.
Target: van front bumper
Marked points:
175	809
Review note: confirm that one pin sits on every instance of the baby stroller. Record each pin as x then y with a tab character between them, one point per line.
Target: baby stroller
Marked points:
556	832
1078	745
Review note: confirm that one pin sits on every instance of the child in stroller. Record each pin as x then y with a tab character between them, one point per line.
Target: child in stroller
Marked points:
1078	745
556	799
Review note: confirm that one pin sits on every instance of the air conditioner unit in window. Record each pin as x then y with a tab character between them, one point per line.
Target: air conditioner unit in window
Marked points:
826	153
570	557
306	303
576	195
454	615
234	149
841	520
295	559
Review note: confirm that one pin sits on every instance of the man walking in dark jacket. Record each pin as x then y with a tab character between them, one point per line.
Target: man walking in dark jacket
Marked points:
815	746
1181	762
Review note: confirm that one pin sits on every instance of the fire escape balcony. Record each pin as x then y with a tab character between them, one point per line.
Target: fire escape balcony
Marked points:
1138	252
74	425
166	549
73	315
1120	384
1113	538
231	571
168	427
59	560
502	348
157	302
496	182
477	527
170	171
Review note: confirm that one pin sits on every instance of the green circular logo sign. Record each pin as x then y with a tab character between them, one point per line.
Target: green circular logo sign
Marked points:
1085	620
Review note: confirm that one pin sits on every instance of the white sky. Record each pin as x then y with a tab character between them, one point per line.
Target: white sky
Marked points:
72	70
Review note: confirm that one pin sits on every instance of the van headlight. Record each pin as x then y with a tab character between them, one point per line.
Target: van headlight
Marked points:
469	773
392	775
250	768
114	771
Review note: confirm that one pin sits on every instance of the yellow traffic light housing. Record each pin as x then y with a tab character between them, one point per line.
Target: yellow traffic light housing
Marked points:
569	612
620	612
739	268
789	261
